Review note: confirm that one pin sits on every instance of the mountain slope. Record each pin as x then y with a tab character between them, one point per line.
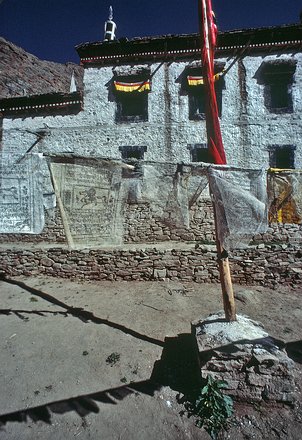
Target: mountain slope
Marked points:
23	74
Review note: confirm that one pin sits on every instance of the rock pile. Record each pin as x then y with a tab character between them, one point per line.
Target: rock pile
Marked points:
247	358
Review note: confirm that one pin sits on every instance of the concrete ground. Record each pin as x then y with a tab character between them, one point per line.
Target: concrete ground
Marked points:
103	360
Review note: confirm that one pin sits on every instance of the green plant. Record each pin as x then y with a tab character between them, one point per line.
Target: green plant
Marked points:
211	407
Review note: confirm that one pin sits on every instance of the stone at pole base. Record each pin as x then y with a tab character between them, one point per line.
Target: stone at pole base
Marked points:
254	364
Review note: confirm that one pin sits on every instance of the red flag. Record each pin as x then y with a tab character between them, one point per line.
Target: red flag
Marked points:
209	35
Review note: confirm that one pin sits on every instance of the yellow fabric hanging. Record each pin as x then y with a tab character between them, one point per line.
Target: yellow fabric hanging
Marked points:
141	86
198	80
284	191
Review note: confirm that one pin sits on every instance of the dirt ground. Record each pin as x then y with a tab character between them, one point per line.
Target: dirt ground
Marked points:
108	360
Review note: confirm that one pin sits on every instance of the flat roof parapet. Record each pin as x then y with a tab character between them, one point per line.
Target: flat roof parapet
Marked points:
48	103
187	46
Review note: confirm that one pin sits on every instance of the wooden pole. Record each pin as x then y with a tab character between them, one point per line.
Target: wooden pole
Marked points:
215	139
225	276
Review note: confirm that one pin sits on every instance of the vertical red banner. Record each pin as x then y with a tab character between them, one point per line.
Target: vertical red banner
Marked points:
208	37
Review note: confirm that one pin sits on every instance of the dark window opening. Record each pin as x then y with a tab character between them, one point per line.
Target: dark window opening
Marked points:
278	97
278	79
200	153
282	156
130	152
132	107
196	94
197	101
131	155
197	108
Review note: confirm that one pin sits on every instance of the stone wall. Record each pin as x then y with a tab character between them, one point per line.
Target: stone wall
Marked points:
249	128
141	226
53	232
258	265
153	250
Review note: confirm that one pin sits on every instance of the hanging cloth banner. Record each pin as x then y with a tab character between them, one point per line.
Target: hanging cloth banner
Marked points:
141	86
240	198
209	34
21	196
285	196
90	201
198	80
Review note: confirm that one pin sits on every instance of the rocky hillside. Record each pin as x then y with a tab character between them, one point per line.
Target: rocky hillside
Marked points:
23	74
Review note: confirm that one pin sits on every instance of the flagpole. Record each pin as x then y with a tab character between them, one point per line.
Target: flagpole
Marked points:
225	276
208	32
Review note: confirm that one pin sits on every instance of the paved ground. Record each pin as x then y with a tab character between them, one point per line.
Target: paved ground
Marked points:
106	360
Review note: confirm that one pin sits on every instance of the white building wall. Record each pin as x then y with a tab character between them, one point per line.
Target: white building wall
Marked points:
248	128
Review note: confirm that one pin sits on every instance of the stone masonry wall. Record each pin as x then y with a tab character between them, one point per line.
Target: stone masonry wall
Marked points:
258	265
142	227
53	232
155	251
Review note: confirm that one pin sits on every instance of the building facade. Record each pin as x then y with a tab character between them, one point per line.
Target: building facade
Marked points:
139	100
143	99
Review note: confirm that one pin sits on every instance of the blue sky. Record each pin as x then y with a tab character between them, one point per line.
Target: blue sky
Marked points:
50	29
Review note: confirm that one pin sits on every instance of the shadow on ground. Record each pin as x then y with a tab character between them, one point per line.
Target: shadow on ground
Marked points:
177	368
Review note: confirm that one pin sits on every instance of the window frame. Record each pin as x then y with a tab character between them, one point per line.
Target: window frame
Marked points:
275	156
196	149
278	78
126	151
198	93
197	110
131	99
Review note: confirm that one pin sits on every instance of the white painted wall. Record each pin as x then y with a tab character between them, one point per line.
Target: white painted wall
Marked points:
168	132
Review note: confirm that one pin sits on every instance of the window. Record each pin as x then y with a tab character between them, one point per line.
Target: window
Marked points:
196	93
282	156
278	78
132	108
279	96
109	26
130	152
131	94
200	153
197	103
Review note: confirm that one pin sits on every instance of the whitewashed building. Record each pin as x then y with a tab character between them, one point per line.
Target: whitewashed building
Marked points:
259	96
143	99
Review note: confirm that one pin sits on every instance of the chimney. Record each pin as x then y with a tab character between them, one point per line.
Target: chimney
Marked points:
110	27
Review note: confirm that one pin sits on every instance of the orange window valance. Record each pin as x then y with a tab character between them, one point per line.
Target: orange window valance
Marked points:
141	86
198	80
